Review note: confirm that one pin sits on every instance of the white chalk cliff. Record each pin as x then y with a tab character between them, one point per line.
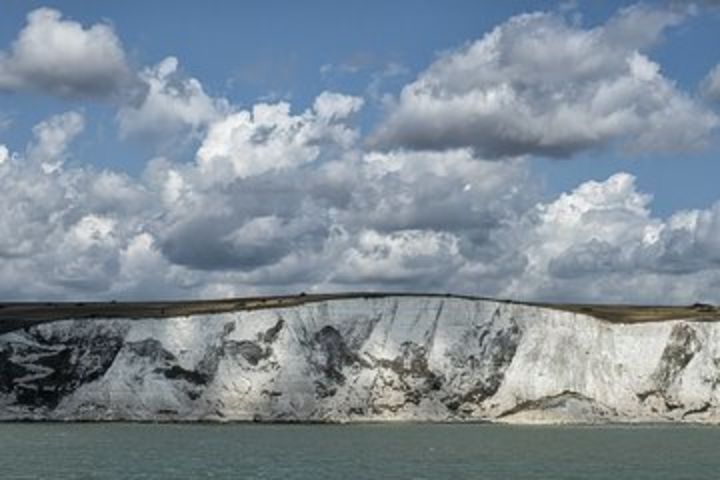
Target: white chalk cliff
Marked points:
365	359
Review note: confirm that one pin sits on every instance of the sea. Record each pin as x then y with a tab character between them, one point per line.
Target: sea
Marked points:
373	451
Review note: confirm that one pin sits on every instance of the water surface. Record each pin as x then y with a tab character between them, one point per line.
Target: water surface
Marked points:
246	451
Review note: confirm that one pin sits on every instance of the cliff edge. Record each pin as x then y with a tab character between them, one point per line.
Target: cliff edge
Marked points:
359	357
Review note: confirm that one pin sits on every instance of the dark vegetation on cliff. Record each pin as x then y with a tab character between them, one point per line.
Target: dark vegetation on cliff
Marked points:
23	314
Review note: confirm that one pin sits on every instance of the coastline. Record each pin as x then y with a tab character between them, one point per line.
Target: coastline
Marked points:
360	358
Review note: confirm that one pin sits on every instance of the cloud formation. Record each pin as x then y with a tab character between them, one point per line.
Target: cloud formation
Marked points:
538	85
601	242
391	220
711	84
60	57
63	228
279	199
52	138
172	106
269	137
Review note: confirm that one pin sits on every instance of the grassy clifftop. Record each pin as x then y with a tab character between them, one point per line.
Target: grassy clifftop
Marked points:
20	314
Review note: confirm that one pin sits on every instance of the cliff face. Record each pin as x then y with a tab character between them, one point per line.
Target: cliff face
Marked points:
375	359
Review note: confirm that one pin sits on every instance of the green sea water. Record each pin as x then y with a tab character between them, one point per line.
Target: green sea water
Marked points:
408	451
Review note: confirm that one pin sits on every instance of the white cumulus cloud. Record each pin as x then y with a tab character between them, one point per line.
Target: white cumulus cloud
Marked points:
270	137
600	242
173	105
421	257
52	138
60	57
539	85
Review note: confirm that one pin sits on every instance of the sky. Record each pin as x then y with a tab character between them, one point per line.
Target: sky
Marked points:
557	151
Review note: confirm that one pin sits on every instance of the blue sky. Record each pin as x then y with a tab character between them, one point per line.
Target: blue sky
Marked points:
244	54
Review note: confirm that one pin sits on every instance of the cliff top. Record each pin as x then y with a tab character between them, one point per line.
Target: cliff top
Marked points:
16	315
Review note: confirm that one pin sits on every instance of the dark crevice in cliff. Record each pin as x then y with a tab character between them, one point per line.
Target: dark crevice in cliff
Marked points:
409	373
558	402
250	352
682	346
41	368
152	352
492	350
272	333
705	407
329	355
